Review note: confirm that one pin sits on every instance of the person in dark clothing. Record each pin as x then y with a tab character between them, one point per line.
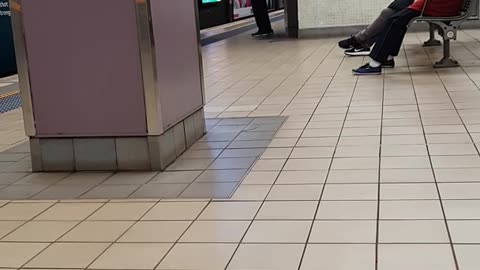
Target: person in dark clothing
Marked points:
360	43
389	42
260	11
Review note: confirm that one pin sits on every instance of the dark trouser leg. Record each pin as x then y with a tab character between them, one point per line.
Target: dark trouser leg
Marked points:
390	40
368	35
260	11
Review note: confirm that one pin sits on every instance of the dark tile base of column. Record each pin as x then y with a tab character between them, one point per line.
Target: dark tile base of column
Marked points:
117	153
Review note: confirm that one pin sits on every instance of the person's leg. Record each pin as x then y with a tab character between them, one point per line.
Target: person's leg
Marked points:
390	40
260	11
368	36
388	43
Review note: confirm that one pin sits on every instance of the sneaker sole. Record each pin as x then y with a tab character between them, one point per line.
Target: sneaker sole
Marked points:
366	74
357	53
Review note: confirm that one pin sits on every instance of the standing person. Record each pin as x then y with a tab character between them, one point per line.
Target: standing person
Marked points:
360	43
389	42
260	11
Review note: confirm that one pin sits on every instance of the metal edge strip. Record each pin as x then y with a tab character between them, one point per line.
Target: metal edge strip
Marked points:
22	66
200	58
146	44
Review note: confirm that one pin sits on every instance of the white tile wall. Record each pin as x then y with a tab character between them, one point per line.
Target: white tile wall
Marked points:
331	13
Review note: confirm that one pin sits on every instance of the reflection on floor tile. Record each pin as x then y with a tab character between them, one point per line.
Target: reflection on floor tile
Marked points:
213	168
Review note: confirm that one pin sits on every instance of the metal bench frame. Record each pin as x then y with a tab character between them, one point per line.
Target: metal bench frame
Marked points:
447	27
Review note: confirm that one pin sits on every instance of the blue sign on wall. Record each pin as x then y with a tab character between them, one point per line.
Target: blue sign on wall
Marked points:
7	56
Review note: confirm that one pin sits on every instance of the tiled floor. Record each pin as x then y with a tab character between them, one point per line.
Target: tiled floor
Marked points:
366	173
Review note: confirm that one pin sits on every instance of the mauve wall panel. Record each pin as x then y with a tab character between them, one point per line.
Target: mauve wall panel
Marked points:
178	59
85	68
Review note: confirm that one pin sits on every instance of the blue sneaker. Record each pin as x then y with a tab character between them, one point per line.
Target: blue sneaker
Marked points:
367	70
389	64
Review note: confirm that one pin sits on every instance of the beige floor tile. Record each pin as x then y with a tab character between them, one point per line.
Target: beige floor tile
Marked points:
421	257
302	177
280	153
251	192
406	175
155	232
295	192
69	211
175	211
360	231
405	163
464	231
215	232
312	152
457	175
22	211
403	139
267	256
67	255
418	191
347	210
350	192
269	165
40	231
404	150
15	255
459	209
45	179
307	164
230	211
353	176
8	226
200	256
131	256
451	191
97	231
359	140
355	163
413	231
410	210
130	178
278	210
467	256
122	211
452	149
339	256
283	142
357	151
278	232
261	178
85	178
175	177
320	142
456	161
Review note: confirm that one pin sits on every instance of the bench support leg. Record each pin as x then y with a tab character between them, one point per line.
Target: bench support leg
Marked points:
432	41
446	61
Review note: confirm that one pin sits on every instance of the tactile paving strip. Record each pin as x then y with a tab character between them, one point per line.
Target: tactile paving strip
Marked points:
10	102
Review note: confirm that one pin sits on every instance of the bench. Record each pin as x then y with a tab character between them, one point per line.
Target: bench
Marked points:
447	27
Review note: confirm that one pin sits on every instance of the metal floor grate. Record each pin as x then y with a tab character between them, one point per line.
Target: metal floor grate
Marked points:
10	102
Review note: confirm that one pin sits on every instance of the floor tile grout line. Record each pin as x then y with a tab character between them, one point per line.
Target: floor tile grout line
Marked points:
331	160
223	151
184	232
379	177
452	248
311	76
263	202
52	243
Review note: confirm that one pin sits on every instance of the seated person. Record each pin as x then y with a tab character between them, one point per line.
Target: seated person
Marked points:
360	43
389	42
